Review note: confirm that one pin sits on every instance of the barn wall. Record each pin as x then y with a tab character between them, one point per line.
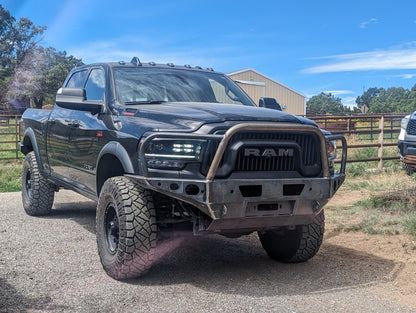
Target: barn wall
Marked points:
295	102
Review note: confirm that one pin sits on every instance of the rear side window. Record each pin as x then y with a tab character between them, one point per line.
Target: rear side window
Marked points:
95	86
77	80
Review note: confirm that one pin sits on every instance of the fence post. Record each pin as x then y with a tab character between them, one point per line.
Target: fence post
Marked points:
371	128
17	136
380	142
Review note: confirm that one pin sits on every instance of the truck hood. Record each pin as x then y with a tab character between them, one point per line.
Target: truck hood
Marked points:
177	116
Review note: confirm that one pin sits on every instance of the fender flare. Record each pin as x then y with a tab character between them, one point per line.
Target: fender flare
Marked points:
30	136
116	149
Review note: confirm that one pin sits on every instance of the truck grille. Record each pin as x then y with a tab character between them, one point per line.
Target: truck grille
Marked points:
269	151
411	127
264	163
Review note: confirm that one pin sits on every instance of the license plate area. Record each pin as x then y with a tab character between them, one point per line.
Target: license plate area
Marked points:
270	208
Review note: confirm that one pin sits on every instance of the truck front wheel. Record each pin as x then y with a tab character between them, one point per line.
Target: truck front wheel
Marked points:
37	192
126	228
294	245
408	169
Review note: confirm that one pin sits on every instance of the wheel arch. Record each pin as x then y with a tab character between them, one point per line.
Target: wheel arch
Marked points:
113	160
28	143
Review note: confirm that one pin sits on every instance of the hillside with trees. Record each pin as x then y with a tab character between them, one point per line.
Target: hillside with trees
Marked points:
391	100
377	100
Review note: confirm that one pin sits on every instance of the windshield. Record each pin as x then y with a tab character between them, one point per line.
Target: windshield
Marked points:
155	85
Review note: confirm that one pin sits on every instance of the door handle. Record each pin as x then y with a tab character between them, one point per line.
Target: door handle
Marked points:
74	124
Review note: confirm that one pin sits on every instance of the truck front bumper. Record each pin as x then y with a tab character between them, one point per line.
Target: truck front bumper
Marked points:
407	150
239	205
236	205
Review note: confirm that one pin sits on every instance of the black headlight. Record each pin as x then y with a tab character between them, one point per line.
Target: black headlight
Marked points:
173	153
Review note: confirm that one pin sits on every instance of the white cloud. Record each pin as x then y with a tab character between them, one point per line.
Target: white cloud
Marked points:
370	21
365	61
349	101
339	92
163	51
405	76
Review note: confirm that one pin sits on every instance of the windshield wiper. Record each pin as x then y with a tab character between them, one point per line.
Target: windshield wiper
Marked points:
144	102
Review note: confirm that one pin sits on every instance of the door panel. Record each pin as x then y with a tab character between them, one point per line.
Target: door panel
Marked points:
57	142
85	131
85	143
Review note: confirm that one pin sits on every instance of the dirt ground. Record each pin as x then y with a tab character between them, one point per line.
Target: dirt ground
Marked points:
400	249
50	264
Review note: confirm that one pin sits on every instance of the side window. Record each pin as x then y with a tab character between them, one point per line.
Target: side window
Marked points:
77	79
95	86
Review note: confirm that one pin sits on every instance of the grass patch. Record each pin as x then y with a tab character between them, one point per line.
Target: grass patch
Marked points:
389	207
410	225
356	169
10	176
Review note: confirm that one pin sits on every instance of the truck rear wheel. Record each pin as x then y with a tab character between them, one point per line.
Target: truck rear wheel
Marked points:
126	228
37	192
294	246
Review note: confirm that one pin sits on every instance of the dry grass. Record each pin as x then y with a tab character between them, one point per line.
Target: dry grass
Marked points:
376	203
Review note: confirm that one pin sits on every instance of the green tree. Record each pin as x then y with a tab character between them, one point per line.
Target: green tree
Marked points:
28	71
6	37
17	40
26	38
40	75
366	97
325	103
393	100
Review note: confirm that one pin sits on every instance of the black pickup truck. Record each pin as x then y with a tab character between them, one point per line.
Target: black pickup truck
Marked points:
167	149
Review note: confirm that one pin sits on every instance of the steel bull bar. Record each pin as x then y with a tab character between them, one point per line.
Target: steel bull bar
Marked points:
280	201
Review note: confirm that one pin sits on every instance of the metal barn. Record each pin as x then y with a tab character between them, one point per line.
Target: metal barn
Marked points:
258	85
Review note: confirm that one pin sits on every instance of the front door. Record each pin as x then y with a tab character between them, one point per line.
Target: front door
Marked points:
85	135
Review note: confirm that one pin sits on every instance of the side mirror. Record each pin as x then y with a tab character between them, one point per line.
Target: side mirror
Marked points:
75	99
269	103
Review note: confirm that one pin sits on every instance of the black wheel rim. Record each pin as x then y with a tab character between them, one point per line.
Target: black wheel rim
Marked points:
111	228
28	184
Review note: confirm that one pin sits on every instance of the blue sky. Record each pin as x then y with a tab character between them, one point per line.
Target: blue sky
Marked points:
342	47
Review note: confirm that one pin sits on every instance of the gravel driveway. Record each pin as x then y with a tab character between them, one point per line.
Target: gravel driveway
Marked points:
51	264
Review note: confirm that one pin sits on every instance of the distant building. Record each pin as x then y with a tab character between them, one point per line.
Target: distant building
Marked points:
258	85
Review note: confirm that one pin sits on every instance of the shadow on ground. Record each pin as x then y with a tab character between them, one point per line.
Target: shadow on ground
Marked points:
240	266
13	301
81	212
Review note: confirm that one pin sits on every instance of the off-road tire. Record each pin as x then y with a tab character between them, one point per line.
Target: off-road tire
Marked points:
126	228
294	245
407	168
37	192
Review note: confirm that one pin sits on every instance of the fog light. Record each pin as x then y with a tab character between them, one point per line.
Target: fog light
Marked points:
192	189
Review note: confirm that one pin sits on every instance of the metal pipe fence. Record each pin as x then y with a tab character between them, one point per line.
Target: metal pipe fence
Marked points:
9	137
366	128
